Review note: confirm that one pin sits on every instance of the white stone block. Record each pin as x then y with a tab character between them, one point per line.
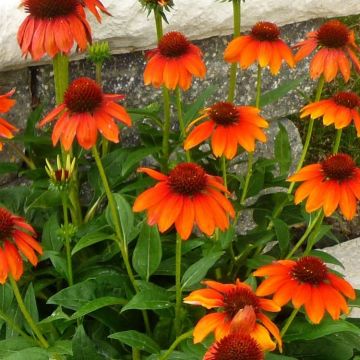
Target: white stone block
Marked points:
129	28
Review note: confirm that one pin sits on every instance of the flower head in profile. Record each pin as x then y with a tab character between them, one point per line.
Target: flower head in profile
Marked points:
306	282
94	6
335	47
332	183
340	110
228	126
235	346
6	130
52	27
186	197
85	111
240	311
263	45
16	236
60	177
174	62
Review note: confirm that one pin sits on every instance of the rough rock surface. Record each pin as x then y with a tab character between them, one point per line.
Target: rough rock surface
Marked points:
129	29
348	253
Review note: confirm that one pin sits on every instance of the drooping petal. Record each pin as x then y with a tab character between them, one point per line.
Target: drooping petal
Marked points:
206	325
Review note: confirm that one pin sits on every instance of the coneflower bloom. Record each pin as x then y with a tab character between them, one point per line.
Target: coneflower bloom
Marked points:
307	282
228	126
174	62
6	130
263	45
335	45
53	27
235	346
340	110
93	6
186	197
16	235
332	183
240	310
86	109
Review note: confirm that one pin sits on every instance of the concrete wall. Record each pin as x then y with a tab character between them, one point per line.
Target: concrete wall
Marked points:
129	29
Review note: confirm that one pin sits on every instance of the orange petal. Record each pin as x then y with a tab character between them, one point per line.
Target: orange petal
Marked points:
52	115
206	325
273	329
307	173
315	308
347	201
153	173
218	140
86	132
304	190
235	47
285	292
342	285
203	218
207	298
14	260
4	268
170	211
301	295
332	197
26	250
330	65
317	63
262	336
271	285
199	134
151	197
185	221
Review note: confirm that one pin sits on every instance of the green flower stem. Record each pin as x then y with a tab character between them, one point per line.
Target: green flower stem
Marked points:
224	170
309	133
166	99
61	76
98	78
158	24
27	315
14	326
247	179
136	354
251	154
21	155
178	286
310	244
61	80
181	120
289	320
118	230
177	341
318	219
337	141
233	69
67	239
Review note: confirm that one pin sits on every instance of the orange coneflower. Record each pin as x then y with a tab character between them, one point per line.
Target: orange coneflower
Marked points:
235	346
86	109
6	130
229	126
262	45
52	27
186	197
339	110
333	183
92	5
174	62
307	282
241	311
15	235
336	44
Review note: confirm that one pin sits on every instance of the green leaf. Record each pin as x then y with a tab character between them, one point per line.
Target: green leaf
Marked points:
302	330
282	90
282	235
58	314
7	168
30	303
83	347
126	217
97	304
73	297
196	272
33	353
192	112
270	356
318	235
13	345
137	340
283	150
135	157
259	260
61	347
149	300
43	199
50	236
90	239
148	251
327	258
